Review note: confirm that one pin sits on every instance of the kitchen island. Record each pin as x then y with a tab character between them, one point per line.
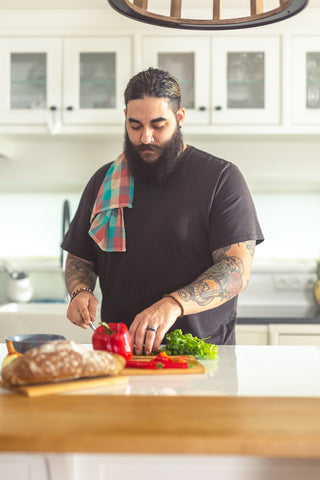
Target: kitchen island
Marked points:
256	410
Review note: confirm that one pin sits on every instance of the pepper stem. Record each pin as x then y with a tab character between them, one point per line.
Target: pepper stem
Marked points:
106	326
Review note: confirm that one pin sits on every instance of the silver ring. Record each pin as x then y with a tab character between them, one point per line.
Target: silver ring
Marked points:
153	329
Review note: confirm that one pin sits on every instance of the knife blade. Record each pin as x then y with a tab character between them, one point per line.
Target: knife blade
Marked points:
92	325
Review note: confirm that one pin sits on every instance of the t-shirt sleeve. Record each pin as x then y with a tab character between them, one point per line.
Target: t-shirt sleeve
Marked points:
233	217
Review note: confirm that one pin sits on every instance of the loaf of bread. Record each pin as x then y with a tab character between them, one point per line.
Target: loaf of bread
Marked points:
60	360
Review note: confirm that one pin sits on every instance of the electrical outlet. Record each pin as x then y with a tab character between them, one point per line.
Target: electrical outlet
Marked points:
294	281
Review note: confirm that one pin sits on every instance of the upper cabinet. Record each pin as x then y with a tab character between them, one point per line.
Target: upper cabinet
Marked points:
95	74
57	82
245	87
188	60
305	77
242	86
239	82
30	79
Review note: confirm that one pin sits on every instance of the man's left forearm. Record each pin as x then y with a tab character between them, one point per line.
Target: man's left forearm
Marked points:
226	278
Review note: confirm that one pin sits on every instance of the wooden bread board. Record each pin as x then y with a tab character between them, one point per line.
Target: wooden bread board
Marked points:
67	386
196	369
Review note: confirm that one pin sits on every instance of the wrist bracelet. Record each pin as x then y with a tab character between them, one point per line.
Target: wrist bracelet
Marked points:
177	301
79	290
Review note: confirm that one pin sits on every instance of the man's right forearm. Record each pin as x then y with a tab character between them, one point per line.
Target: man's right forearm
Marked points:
78	274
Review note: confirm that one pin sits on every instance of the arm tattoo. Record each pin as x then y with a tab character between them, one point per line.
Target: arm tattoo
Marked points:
221	282
79	272
250	246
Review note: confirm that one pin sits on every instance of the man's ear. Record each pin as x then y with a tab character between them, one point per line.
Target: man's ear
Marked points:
125	112
181	113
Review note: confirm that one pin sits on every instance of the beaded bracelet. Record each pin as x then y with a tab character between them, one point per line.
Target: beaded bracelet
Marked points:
79	290
177	301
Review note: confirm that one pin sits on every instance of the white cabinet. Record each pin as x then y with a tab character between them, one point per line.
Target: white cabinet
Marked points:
30	79
19	466
86	87
186	58
252	335
305	78
95	74
246	80
224	80
290	334
278	334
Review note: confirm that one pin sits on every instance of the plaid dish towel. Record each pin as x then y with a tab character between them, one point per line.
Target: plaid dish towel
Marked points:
107	219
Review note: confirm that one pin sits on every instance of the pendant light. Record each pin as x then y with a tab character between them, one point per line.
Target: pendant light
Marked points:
138	10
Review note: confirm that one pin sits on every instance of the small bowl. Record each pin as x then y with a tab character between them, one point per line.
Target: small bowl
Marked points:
23	343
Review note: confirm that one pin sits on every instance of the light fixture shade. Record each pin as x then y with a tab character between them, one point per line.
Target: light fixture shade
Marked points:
138	10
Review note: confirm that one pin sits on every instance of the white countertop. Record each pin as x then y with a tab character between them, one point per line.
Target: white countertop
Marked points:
273	371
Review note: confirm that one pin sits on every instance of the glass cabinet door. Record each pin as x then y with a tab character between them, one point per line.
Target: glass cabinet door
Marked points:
30	80
246	80
182	66
188	60
97	80
96	72
313	80
305	76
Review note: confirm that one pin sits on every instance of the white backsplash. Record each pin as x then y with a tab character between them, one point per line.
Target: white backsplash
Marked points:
31	225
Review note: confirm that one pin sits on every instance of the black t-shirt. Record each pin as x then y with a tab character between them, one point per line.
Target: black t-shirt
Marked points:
171	231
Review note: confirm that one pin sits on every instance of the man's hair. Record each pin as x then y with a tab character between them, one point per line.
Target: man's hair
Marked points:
154	83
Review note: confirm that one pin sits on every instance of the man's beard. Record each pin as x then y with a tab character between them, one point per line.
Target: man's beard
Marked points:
157	171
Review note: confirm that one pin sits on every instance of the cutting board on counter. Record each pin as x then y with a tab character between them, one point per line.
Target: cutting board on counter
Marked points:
67	386
196	368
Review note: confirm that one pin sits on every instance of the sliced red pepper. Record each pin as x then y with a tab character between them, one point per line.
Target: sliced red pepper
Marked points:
158	362
113	337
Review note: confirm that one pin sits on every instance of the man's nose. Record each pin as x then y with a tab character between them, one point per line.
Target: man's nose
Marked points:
146	135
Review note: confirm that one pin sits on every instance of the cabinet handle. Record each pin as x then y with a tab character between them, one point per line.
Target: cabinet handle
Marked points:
69	108
202	109
53	108
218	107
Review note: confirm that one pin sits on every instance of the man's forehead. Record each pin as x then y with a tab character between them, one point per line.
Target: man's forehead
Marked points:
151	107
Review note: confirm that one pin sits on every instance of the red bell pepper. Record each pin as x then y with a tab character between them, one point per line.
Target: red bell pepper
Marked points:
160	361
113	337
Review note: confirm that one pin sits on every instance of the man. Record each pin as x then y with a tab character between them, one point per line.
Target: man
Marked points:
169	230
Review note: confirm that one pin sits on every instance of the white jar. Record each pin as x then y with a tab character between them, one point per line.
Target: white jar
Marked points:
19	288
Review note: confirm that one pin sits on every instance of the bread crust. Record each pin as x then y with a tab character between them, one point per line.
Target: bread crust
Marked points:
60	360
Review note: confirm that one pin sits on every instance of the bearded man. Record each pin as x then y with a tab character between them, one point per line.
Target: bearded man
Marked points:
169	230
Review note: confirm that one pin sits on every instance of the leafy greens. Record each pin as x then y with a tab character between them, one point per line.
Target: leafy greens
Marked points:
186	344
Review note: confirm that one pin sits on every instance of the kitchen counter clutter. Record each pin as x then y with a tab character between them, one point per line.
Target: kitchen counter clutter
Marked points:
255	411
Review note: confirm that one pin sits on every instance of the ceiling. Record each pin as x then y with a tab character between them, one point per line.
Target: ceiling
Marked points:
97	4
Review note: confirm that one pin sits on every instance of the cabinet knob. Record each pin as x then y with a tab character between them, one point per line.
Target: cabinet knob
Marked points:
218	107
202	108
53	108
69	108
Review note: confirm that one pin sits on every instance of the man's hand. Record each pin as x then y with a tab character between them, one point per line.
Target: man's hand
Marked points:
150	326
79	274
82	309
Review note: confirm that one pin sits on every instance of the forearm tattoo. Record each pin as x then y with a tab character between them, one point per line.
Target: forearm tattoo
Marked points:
79	272
250	246
222	281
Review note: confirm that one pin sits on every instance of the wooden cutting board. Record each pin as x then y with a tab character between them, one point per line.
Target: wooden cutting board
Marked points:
195	369
67	386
